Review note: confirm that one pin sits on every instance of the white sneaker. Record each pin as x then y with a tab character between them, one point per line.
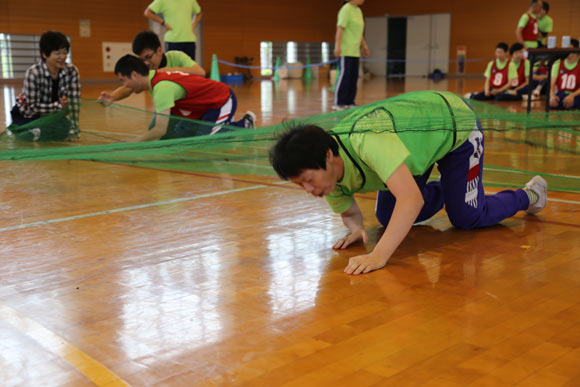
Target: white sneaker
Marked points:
249	119
540	187
338	107
35	134
467	96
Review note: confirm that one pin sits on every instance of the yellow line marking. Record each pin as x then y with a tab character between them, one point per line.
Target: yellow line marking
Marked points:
89	367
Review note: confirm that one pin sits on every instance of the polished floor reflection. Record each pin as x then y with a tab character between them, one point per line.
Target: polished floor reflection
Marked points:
114	275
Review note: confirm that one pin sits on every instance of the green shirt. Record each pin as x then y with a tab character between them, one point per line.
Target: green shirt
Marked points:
546	25
567	65
350	18
512	69
178	59
178	14
522	24
165	93
417	128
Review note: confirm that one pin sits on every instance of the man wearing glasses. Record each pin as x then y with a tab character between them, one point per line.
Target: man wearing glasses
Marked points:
147	46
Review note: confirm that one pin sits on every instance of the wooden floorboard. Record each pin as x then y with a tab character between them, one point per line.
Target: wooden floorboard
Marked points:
112	274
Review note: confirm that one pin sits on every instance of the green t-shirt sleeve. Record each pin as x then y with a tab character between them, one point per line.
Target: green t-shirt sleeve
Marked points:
523	21
548	25
156	6
555	68
487	72
338	201
342	17
512	71
179	59
165	93
526	68
195	7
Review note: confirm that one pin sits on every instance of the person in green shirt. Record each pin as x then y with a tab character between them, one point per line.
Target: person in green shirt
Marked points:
349	42
499	75
519	88
527	32
147	46
565	87
545	24
180	18
391	147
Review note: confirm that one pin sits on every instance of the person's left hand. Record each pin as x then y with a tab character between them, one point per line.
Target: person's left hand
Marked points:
362	264
366	52
568	101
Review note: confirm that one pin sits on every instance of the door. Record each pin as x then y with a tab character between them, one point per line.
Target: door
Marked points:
418	45
376	37
428	40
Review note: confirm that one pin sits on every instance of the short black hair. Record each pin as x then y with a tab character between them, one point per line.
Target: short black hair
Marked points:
129	63
301	147
503	46
574	43
546	6
52	41
516	47
145	40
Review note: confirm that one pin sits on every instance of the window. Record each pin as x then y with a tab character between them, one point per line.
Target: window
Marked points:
18	53
266	58
292	52
324	52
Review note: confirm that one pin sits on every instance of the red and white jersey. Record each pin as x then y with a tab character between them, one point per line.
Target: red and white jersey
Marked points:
499	78
531	31
521	73
568	80
542	68
202	94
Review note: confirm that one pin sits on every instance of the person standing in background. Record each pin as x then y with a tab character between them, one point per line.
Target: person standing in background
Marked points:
545	24
180	18
527	32
349	42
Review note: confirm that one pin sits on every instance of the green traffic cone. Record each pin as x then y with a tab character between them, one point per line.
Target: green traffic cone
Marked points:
215	71
307	71
331	88
276	75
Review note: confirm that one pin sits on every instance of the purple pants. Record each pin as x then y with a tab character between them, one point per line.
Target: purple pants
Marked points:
461	190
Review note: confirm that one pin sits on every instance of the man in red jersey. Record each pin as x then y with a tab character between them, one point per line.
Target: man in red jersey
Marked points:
528	31
565	90
188	96
499	75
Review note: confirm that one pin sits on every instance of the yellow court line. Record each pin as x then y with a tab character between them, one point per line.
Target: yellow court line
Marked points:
89	367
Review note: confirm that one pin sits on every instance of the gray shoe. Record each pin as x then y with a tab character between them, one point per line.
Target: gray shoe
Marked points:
540	187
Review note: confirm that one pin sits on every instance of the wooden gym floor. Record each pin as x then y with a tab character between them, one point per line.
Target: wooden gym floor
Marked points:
115	275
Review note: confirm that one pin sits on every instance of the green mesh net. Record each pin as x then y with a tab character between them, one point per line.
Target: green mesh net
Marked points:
518	145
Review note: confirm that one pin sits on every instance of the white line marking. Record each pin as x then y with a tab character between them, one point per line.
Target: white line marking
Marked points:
117	210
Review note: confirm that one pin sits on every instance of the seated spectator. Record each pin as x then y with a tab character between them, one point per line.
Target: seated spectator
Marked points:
50	85
499	75
520	86
565	90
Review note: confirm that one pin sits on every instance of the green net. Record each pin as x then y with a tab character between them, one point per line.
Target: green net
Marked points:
518	145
